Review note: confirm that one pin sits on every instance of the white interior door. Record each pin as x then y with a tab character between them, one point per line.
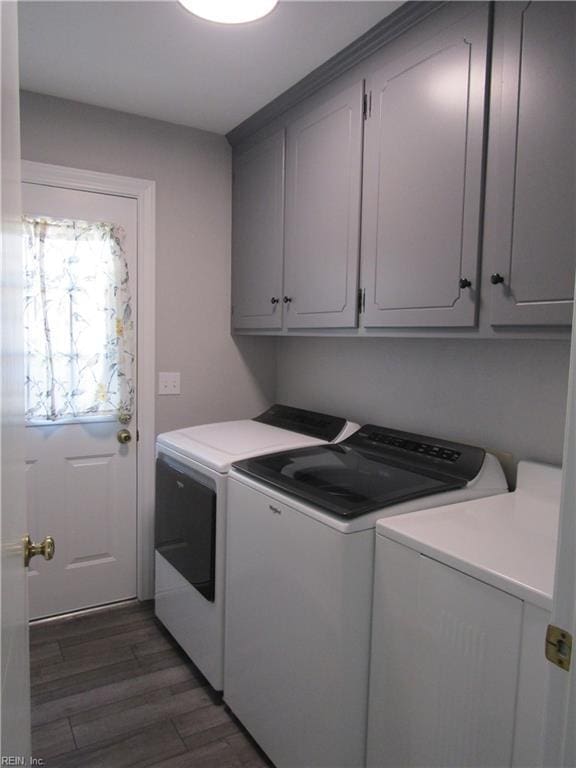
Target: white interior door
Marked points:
560	734
81	480
15	692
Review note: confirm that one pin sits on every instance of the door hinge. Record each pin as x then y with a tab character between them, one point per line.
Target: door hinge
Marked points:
559	647
367	105
361	300
137	435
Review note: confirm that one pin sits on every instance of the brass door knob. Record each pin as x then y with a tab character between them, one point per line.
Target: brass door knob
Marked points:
124	436
46	548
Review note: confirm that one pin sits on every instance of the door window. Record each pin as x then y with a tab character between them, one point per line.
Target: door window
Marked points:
78	324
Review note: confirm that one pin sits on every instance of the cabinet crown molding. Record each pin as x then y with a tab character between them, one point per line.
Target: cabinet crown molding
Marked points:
367	44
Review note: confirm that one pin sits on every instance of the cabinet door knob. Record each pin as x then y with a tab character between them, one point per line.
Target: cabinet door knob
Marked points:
287	299
274	300
496	278
465	283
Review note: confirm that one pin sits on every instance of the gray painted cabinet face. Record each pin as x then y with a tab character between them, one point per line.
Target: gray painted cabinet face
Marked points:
323	186
258	235
530	223
423	181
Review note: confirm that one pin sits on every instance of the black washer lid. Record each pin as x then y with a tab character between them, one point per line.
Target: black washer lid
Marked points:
320	425
455	460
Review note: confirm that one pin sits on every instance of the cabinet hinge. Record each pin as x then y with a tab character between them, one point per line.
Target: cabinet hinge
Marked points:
559	647
361	300
367	105
137	435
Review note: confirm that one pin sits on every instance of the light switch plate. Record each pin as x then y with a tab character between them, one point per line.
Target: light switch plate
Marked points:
168	383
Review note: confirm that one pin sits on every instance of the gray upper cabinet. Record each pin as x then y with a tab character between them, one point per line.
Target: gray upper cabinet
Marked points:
455	215
323	190
423	165
530	222
258	235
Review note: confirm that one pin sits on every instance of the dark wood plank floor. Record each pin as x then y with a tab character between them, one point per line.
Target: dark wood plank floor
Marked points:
111	689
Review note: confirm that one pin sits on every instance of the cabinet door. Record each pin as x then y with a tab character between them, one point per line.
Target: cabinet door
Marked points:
324	157
530	229
258	235
423	181
444	666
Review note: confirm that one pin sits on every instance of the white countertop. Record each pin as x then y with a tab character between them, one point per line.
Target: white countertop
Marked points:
508	541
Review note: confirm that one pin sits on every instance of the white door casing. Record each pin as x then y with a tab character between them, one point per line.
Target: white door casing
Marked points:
143	193
81	481
15	692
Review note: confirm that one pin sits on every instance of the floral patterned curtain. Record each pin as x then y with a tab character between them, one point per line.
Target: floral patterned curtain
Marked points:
79	330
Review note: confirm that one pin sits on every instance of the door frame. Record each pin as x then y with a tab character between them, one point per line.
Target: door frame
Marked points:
144	192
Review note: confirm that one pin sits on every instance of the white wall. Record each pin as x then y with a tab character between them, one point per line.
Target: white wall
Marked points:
222	378
505	395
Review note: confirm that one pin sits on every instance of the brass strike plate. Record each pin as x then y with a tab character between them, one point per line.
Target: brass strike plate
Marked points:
559	646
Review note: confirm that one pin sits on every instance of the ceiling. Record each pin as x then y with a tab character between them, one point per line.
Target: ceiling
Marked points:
156	59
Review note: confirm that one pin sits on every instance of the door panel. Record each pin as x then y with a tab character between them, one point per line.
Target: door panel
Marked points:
15	683
81	480
436	145
93	540
82	493
258	235
531	232
560	701
324	156
423	174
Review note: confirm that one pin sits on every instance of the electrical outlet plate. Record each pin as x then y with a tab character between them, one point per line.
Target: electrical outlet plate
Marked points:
168	383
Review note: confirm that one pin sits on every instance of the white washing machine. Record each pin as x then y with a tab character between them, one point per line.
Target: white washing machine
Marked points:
190	522
300	558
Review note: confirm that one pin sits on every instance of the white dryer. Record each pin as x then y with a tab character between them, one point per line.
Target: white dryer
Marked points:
299	580
190	522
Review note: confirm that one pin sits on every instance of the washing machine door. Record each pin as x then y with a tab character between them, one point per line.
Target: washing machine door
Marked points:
185	523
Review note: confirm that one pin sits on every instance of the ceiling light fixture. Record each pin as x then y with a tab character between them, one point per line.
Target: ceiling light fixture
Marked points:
229	11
